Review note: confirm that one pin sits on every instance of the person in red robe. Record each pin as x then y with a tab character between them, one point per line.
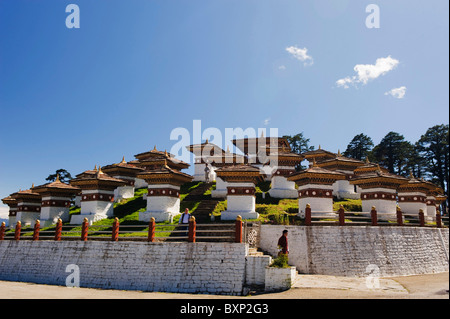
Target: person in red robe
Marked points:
283	243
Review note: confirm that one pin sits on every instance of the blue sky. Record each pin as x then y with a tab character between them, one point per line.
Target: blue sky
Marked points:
135	70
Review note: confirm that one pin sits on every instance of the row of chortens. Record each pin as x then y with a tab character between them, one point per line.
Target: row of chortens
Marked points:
266	159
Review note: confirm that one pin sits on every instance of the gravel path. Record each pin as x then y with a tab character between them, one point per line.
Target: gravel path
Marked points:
434	286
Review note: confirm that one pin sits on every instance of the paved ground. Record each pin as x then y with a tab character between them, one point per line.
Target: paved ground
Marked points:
433	286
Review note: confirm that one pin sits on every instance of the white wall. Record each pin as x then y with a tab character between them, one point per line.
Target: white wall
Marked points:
171	267
348	250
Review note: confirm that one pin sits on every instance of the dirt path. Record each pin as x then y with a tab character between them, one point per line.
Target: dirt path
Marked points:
308	286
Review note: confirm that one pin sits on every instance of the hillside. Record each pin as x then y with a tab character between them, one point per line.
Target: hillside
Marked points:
196	196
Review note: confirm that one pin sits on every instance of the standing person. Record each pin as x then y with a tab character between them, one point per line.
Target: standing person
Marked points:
283	244
207	171
184	220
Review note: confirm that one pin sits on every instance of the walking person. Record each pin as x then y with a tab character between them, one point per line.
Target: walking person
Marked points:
283	244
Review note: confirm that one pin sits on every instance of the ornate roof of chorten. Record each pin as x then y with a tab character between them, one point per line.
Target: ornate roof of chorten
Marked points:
340	162
205	149
226	159
240	173
416	185
282	157
153	153
440	198
156	162
430	188
319	155
165	175
379	178
9	201
369	167
316	175
88	173
254	144
98	180
27	194
56	187
122	168
154	159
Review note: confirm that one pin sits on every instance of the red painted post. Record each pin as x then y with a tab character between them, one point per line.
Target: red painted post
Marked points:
373	215
438	220
238	229
421	218
58	230
151	230
2	231
399	216
115	230
341	216
84	229
17	230
37	228
192	229
308	215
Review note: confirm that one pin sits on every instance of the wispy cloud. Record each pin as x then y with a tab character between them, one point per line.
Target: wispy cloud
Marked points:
301	55
368	72
398	93
267	121
281	67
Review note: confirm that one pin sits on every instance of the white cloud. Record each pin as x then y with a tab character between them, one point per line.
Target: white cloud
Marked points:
281	67
368	72
300	54
398	93
267	121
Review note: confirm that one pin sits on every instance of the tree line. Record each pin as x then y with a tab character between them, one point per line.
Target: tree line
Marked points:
426	158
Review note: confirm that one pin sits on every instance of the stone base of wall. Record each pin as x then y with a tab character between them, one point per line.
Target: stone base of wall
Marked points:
349	250
255	271
278	279
216	268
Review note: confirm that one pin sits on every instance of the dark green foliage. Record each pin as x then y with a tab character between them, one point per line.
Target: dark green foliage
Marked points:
282	261
359	147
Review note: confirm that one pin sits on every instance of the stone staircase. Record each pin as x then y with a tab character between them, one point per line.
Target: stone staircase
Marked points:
257	282
197	193
204	209
207	204
254	252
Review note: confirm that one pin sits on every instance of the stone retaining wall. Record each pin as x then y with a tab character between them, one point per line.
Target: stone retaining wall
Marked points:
348	250
217	268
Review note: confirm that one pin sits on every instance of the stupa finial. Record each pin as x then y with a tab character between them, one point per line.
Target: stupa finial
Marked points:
123	160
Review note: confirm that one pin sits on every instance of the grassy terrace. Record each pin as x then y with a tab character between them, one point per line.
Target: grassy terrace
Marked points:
271	211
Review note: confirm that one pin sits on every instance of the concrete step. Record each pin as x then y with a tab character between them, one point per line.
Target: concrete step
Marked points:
254	252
